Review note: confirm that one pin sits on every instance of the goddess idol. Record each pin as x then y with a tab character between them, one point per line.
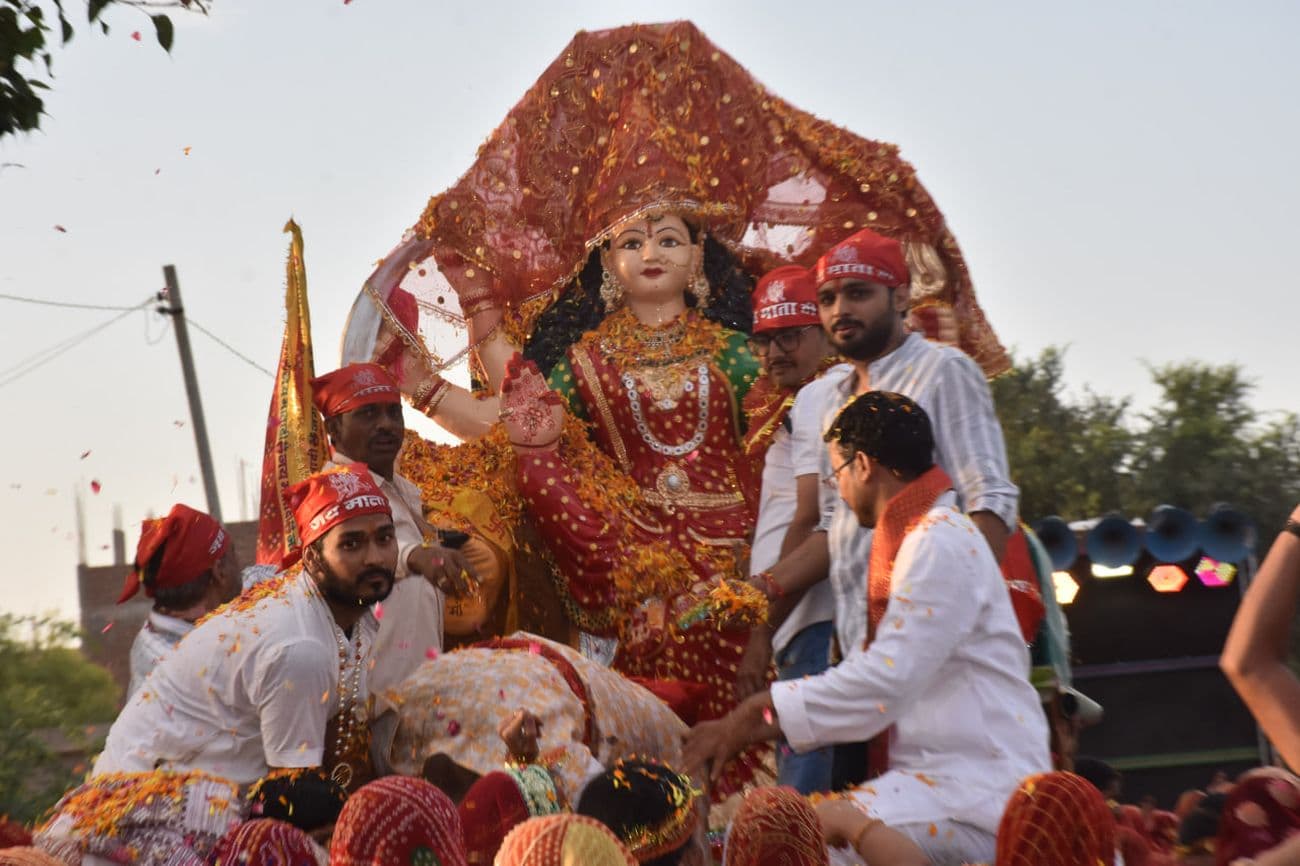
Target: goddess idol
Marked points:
599	254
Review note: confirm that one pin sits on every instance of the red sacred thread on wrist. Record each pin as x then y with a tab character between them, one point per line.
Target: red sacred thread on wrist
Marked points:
774	589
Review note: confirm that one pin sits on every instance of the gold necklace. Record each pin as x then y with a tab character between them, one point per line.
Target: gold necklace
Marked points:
622	337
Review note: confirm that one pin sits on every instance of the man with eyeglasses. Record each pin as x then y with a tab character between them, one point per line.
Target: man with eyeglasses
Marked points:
789	342
863	296
942	689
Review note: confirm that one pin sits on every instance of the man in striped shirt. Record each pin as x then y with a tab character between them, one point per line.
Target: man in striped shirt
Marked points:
863	300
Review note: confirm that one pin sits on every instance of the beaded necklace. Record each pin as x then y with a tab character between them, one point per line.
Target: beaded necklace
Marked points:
701	426
342	772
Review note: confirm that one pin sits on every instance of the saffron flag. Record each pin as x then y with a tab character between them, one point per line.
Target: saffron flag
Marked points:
296	442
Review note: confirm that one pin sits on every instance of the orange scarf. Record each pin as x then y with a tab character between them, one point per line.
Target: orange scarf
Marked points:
901	515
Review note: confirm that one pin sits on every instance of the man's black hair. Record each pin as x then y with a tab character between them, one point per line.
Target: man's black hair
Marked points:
634	796
890	428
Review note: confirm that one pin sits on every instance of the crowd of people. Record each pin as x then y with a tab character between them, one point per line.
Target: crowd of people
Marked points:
777	515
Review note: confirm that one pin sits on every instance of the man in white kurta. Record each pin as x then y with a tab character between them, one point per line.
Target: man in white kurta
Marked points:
251	688
944	679
362	407
254	686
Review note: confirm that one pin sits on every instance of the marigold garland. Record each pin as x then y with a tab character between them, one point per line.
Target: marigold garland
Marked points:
99	806
623	337
254	595
486	464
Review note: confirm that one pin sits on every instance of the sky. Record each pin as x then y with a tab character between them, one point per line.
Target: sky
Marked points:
1120	177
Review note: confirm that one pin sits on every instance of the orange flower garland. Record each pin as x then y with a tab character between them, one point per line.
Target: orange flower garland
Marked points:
99	806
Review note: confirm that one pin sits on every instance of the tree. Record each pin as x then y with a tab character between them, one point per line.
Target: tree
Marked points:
1204	444
48	689
1201	444
25	46
1068	458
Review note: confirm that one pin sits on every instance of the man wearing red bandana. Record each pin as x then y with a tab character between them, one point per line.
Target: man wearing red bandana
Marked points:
363	414
789	342
863	295
254	685
942	685
186	563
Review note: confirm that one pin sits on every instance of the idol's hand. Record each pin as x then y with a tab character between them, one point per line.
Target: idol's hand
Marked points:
532	412
410	369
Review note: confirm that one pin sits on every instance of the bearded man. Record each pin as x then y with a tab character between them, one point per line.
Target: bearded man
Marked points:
253	687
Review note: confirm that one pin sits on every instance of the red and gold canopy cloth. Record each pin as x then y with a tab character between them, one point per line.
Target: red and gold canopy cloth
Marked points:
645	115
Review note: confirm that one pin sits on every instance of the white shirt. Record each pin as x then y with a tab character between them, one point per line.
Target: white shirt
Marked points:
776	507
156	638
247	690
813	402
969	446
414	613
948	670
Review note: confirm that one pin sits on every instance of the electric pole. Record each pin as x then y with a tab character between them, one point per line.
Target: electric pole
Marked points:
172	297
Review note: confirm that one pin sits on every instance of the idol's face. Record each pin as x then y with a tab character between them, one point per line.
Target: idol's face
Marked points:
356	560
862	318
652	258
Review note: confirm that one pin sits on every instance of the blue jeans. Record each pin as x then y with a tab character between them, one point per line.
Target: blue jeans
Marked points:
808	653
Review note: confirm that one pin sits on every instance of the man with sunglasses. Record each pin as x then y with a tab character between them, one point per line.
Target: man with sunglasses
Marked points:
789	342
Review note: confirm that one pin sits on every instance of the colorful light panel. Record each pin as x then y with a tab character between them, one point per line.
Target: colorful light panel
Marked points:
1066	587
1167	578
1213	573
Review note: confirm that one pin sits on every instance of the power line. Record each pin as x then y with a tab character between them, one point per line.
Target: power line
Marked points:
33	362
67	304
229	348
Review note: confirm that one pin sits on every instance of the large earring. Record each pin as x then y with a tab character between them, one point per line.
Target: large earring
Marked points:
699	287
611	290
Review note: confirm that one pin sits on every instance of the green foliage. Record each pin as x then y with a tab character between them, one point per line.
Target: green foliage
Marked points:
26	43
1202	444
1069	458
50	693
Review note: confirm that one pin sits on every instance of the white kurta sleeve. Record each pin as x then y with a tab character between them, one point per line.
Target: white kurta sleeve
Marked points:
932	607
294	695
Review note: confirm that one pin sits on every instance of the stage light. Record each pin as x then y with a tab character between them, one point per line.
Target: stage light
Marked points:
1105	572
1213	573
1167	578
1065	585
